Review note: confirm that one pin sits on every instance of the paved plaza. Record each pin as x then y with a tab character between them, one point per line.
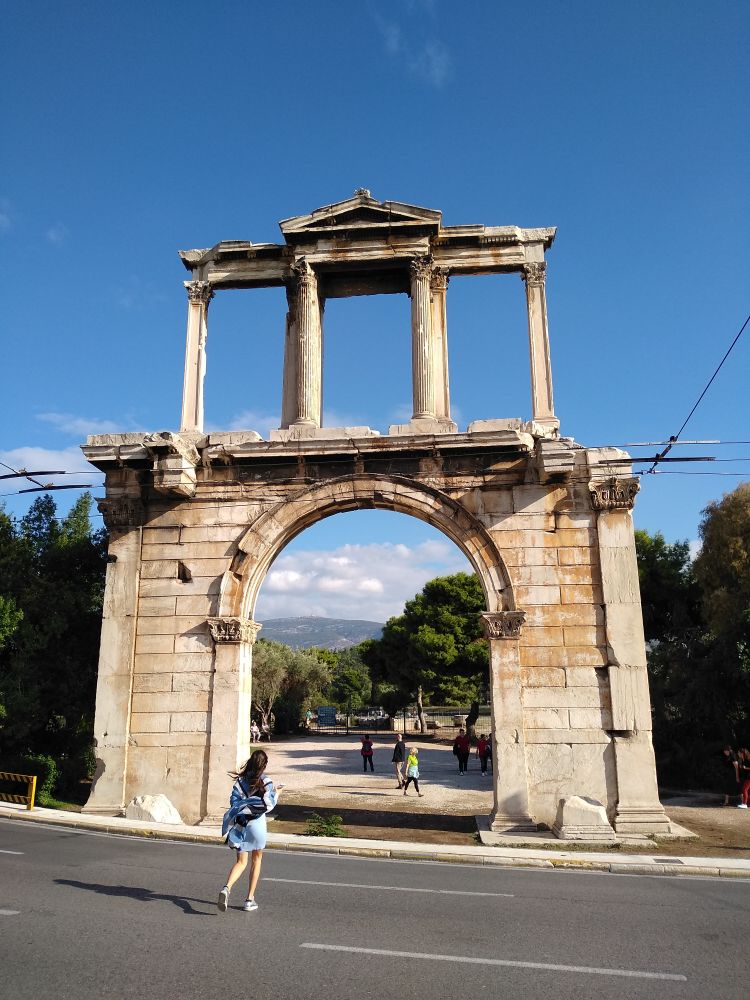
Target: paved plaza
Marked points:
331	766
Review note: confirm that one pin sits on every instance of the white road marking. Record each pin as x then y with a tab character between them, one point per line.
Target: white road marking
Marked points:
390	888
9	913
586	969
11	852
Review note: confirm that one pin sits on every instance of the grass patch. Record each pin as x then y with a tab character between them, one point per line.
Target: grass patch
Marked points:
324	826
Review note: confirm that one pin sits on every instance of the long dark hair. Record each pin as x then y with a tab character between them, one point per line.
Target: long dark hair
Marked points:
252	770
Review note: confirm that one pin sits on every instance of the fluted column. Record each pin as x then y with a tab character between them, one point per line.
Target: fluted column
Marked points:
200	294
422	346
439	288
543	409
307	407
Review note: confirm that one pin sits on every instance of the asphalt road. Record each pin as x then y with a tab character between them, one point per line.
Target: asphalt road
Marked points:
94	916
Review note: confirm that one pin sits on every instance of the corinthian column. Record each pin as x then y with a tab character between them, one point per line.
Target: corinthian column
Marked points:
439	287
541	372
306	409
422	346
200	294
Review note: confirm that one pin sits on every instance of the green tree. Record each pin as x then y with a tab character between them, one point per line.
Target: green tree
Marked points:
435	650
351	685
53	571
286	682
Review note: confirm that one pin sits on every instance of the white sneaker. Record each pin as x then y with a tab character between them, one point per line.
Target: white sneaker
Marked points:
742	806
250	904
223	900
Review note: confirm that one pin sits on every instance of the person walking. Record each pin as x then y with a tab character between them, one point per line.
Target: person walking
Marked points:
367	753
731	770
743	773
412	770
399	759
244	824
462	749
483	752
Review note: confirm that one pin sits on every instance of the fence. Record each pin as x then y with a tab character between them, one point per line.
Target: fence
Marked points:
13	778
450	717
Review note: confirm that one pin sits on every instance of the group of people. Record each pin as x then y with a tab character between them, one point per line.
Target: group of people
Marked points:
462	751
737	774
402	758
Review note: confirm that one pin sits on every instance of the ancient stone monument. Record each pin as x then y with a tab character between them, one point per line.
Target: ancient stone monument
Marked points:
196	519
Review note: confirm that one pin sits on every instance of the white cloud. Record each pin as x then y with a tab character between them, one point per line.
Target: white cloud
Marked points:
251	420
433	63
354	581
56	234
68	423
694	547
49	460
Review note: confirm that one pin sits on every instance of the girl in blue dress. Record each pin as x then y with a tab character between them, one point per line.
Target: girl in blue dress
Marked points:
244	825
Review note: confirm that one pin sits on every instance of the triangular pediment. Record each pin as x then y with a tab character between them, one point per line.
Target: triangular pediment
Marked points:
362	211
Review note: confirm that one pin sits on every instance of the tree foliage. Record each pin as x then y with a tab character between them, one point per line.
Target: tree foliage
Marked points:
436	645
697	623
51	592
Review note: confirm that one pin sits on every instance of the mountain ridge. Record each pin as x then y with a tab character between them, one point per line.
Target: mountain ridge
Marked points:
325	633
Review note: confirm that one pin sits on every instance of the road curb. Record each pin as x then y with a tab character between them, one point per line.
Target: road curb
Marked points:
620	866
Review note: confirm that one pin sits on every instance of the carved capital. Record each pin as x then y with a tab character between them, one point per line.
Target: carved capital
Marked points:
614	493
533	274
303	271
121	512
421	267
199	291
363	193
233	629
503	624
439	279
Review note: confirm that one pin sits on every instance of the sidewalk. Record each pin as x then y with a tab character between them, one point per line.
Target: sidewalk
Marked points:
513	857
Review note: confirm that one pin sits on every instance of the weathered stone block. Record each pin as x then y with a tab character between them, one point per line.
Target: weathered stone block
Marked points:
580	697
537	499
143	683
582	818
171	625
149	722
577	556
565	615
588	718
541	636
585	635
543	676
159	569
204	606
192	682
193	642
562	656
156	606
147	663
580	594
528	596
530	557
193	722
545	718
153	808
197	586
154	644
175	701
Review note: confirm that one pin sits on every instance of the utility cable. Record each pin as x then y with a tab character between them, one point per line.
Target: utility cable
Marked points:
673	439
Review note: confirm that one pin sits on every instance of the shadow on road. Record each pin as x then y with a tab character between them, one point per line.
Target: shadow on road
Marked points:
142	895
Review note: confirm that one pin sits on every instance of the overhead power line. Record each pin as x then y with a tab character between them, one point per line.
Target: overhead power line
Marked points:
673	439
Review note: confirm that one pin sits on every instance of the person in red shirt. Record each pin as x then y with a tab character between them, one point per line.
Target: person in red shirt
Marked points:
483	752
462	749
366	752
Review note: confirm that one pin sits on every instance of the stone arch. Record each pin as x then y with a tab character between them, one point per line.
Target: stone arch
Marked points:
270	533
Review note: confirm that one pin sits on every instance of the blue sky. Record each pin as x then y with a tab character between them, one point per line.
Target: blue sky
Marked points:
132	131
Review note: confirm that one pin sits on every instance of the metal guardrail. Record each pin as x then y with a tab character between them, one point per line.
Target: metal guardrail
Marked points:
28	799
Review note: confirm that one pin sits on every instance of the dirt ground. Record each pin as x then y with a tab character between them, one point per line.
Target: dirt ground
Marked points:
324	775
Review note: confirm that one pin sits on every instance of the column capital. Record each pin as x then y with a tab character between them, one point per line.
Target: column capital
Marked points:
533	274
302	270
233	629
199	291
121	512
421	267
439	279
502	624
614	493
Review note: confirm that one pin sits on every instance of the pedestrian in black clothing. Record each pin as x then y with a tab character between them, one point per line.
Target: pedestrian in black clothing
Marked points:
731	773
399	759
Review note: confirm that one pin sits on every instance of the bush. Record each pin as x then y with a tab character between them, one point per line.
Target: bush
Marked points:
324	826
43	767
